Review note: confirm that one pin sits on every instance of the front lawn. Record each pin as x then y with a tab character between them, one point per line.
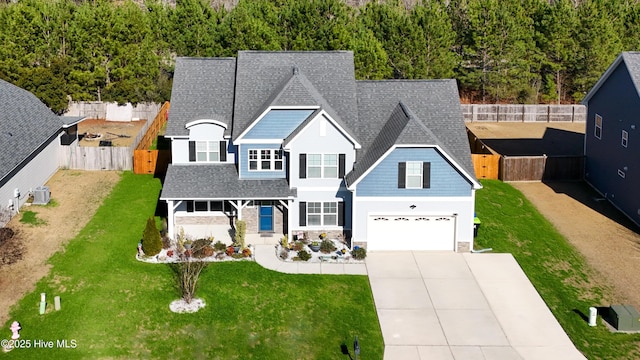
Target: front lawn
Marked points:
511	224
116	307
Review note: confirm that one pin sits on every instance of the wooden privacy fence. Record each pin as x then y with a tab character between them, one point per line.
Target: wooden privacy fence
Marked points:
95	158
118	158
147	161
523	113
538	168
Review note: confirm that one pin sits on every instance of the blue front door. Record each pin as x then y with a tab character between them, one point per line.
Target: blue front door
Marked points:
266	218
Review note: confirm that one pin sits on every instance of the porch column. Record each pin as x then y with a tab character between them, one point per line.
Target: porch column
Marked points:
170	218
287	205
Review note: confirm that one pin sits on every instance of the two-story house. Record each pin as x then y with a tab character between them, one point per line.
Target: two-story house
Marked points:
292	143
612	149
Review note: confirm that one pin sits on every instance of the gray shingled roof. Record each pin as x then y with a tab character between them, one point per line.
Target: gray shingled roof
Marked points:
434	104
71	120
632	59
25	125
202	89
219	181
261	73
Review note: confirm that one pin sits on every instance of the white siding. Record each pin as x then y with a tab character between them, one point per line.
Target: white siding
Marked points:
199	132
34	174
311	141
462	206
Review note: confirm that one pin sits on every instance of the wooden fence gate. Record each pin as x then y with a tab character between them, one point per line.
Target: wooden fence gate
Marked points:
486	166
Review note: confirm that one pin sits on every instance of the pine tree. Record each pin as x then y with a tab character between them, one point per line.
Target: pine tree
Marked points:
151	240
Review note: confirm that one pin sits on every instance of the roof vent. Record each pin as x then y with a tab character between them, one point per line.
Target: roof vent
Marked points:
295	70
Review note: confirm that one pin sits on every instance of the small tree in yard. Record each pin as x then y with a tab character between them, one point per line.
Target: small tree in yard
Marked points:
151	240
187	274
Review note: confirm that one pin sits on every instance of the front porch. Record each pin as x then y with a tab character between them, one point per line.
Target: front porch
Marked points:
207	200
266	220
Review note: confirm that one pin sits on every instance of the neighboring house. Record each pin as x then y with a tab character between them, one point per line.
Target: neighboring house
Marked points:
30	136
291	143
612	141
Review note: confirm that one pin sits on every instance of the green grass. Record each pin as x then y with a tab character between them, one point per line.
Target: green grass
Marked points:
31	218
510	223
116	307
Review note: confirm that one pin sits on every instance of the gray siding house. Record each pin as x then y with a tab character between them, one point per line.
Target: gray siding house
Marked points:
293	144
30	136
612	140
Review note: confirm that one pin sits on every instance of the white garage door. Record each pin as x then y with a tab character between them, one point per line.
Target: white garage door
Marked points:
413	232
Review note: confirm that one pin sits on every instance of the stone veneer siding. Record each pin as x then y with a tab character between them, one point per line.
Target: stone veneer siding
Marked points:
202	220
251	216
463	247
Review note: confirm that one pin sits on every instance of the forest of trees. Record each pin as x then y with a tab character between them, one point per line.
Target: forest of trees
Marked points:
517	51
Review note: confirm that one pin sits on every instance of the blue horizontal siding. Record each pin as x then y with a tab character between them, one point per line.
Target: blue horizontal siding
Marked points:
278	124
383	179
243	163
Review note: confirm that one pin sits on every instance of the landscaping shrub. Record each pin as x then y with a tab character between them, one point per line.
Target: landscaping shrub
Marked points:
219	246
246	252
202	248
359	253
187	275
326	246
298	245
304	255
241	230
151	241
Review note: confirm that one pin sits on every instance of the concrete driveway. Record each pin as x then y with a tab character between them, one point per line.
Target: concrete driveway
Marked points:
442	305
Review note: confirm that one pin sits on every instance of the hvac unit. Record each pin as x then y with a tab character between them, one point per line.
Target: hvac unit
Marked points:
41	195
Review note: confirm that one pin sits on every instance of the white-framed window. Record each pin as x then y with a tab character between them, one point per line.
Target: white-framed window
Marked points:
208	206
265	159
414	175
322	213
597	132
322	166
621	173
625	138
207	151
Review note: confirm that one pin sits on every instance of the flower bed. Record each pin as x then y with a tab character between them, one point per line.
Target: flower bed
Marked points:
172	255
327	250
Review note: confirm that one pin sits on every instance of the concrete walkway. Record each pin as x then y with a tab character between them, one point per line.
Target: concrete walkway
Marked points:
444	305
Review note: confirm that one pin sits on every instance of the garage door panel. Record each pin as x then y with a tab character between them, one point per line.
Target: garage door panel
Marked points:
412	232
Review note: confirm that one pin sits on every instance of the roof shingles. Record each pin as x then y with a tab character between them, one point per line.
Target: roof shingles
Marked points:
26	124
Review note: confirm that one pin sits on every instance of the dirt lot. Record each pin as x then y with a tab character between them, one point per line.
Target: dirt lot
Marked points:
77	195
608	240
121	133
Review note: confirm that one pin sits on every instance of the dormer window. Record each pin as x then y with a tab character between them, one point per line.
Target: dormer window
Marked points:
207	151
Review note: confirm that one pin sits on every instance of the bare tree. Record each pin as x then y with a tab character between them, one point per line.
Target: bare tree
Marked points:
187	273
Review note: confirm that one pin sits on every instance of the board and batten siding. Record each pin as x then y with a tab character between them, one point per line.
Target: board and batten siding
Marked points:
383	179
611	168
243	164
320	136
277	124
